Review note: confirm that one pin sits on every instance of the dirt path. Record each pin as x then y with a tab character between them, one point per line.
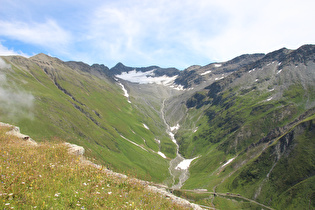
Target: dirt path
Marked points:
230	195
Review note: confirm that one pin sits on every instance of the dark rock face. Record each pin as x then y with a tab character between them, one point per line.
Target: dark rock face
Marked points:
95	69
187	78
245	59
79	65
283	56
192	76
303	55
119	68
170	72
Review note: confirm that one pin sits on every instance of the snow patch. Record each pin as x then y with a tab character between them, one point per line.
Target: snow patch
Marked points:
184	165
172	135
205	73
195	130
271	90
125	92
145	126
251	70
256	80
218	78
269	99
217	65
279	71
177	87
160	153
228	162
176	127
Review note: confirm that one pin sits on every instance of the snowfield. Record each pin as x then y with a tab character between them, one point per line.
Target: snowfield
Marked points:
149	78
146	78
184	165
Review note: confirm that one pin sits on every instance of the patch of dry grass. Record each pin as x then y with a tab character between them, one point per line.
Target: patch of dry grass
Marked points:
47	176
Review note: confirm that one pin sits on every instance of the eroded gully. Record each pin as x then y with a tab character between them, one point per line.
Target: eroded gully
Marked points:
179	174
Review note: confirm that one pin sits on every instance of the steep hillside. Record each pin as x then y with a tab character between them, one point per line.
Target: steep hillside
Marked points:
235	115
241	129
81	104
283	174
49	175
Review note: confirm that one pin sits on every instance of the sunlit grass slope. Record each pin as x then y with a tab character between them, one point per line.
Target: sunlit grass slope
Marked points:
86	110
47	176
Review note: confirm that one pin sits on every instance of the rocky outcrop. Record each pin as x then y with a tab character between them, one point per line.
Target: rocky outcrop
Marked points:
75	149
15	131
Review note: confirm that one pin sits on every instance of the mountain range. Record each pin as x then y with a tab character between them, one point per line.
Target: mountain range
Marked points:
243	127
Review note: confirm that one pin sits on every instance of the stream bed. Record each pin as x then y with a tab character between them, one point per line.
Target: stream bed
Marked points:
179	166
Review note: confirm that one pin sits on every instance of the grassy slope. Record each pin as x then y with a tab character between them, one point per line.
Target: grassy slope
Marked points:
284	172
239	117
94	116
47	176
148	99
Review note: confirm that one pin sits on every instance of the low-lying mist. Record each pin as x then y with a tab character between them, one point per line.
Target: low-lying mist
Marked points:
15	103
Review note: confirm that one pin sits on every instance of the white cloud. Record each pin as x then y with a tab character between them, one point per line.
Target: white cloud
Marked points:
172	33
48	34
176	30
4	51
147	31
259	26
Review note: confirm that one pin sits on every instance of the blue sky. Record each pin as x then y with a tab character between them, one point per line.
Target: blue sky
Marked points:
176	33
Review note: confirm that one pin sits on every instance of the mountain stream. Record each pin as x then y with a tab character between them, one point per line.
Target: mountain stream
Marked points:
179	165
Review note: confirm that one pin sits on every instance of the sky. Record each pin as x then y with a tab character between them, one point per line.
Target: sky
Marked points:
176	33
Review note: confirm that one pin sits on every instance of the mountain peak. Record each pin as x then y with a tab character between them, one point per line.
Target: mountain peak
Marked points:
119	65
41	55
45	58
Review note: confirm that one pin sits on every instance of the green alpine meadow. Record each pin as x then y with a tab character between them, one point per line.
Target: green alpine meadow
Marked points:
238	134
